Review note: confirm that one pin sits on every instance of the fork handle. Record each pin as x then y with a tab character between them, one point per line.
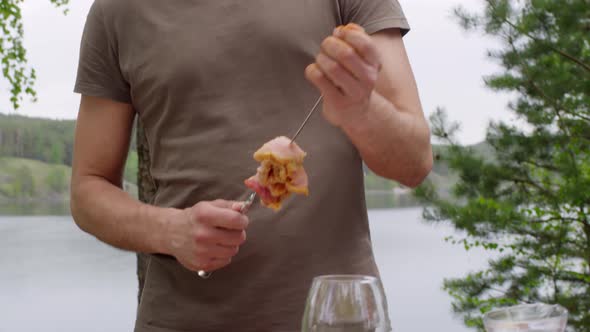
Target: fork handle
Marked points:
243	210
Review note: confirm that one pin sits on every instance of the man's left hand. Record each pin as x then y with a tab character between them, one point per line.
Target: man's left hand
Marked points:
346	71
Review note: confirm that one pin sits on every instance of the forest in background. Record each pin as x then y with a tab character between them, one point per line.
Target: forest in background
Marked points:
36	159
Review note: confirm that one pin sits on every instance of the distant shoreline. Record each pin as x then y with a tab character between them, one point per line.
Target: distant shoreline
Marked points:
61	207
32	207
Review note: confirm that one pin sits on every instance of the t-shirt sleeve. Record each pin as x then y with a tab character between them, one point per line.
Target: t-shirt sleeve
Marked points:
99	73
374	15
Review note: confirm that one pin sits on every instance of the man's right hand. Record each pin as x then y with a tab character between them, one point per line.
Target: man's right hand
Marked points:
207	235
203	237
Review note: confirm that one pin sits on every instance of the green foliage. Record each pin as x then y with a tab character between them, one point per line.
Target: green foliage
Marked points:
23	184
131	167
45	140
530	203
56	180
32	180
38	186
13	56
57	153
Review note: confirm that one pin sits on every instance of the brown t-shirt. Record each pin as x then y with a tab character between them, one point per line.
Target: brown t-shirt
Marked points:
212	81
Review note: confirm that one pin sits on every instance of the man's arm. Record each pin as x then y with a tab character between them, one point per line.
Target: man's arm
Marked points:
99	205
370	93
203	237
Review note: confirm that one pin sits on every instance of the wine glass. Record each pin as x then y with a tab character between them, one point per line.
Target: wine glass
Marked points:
346	303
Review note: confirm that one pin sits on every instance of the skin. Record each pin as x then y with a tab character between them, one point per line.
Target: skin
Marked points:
372	97
370	93
203	237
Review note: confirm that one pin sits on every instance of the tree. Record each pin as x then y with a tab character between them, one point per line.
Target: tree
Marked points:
56	180
131	167
13	56
56	152
23	184
531	203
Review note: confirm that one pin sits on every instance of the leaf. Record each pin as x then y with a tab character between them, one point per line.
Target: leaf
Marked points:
13	56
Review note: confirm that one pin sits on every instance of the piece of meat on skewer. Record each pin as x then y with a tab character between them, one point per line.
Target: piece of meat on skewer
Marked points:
280	172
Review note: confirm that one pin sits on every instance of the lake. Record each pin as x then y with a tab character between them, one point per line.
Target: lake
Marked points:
54	277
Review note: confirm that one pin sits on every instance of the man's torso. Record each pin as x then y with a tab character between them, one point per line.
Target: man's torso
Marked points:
211	82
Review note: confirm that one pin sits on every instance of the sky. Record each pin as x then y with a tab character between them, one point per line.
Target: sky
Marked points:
449	63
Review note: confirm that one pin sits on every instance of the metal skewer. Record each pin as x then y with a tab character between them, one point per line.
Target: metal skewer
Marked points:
317	103
250	200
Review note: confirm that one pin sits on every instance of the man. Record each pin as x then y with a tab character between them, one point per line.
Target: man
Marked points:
212	81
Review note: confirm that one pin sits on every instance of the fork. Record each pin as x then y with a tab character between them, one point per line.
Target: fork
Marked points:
250	200
243	210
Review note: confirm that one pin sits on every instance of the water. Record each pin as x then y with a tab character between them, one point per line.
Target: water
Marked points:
53	277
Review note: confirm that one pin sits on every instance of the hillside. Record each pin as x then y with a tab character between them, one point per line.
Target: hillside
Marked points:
38	139
25	179
36	155
32	184
47	140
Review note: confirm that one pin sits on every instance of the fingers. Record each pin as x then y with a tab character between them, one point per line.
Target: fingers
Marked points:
218	251
212	257
213	264
221	214
209	235
339	76
362	43
341	52
232	205
321	81
215	236
347	65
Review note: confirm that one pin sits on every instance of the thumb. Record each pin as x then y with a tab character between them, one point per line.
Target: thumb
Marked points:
232	205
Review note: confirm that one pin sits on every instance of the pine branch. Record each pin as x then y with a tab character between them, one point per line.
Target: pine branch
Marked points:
539	165
532	183
543	42
556	107
561	275
577	115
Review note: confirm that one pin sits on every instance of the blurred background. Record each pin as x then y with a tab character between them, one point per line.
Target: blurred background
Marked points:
54	277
